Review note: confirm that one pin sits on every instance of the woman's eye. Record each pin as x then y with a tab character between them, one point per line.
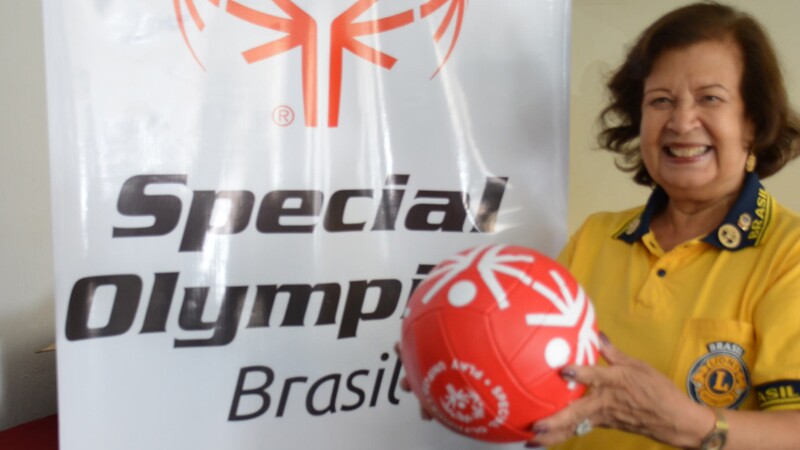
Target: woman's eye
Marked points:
660	101
710	99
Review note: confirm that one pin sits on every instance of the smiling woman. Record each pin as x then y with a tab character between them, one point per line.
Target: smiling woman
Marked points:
694	288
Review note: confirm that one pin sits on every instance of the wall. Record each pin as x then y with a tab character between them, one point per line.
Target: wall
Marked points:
27	379
602	30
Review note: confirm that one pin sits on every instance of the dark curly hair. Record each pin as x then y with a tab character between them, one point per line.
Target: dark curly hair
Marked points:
776	124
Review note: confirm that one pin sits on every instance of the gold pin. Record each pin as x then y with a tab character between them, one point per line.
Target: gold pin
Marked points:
633	225
729	236
745	221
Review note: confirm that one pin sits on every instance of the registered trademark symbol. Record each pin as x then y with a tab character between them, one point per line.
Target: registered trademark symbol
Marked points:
283	116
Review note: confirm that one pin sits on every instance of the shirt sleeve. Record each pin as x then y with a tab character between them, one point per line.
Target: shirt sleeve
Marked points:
776	319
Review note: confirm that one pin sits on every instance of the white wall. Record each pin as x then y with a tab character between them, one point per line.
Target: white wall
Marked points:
601	31
27	380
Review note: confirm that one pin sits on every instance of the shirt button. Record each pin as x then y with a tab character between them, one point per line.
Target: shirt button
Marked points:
661	273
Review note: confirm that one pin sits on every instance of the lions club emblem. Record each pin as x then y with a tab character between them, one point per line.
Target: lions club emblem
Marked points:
720	378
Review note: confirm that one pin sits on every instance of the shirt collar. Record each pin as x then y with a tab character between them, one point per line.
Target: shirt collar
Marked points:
744	225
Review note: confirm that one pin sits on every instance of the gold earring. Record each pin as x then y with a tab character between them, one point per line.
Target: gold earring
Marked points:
750	164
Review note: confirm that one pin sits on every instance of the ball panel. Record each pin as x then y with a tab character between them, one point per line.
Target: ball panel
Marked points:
510	335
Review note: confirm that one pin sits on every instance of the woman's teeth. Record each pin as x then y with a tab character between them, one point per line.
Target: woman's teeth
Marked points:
688	152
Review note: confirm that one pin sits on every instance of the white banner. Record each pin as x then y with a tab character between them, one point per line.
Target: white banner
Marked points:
245	193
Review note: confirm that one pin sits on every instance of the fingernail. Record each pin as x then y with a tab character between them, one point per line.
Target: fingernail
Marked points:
540	429
532	444
568	373
604	338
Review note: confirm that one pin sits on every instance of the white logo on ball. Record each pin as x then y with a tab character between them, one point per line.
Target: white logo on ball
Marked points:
557	352
462	293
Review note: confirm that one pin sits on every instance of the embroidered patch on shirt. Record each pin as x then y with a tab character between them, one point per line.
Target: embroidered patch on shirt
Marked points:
720	378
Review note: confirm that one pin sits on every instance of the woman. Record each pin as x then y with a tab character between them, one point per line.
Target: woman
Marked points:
701	299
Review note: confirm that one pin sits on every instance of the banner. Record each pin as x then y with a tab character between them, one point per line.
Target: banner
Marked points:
245	193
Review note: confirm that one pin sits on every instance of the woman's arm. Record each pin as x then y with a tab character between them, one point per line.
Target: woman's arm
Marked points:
631	396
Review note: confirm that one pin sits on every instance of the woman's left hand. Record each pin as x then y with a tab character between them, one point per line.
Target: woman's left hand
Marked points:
627	395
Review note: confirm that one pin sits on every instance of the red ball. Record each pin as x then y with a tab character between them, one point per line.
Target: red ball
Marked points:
485	335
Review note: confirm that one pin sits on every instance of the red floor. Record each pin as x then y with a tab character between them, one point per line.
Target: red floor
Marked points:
40	434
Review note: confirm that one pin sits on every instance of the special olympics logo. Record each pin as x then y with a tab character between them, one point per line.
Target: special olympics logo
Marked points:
300	30
464	405
571	307
460	406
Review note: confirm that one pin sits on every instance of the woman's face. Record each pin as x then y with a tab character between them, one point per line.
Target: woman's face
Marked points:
694	134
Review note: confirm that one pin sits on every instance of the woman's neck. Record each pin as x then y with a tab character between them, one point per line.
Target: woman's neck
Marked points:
683	220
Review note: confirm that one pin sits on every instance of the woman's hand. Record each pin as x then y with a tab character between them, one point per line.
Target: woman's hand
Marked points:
627	395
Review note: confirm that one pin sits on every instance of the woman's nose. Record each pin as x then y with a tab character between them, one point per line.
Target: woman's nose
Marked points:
683	118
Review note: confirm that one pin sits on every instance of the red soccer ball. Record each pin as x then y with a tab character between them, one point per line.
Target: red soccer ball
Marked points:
485	335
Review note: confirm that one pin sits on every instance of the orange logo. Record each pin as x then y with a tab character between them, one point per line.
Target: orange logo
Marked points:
300	30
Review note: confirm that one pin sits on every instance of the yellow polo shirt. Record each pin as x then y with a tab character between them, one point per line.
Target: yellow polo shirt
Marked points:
719	315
